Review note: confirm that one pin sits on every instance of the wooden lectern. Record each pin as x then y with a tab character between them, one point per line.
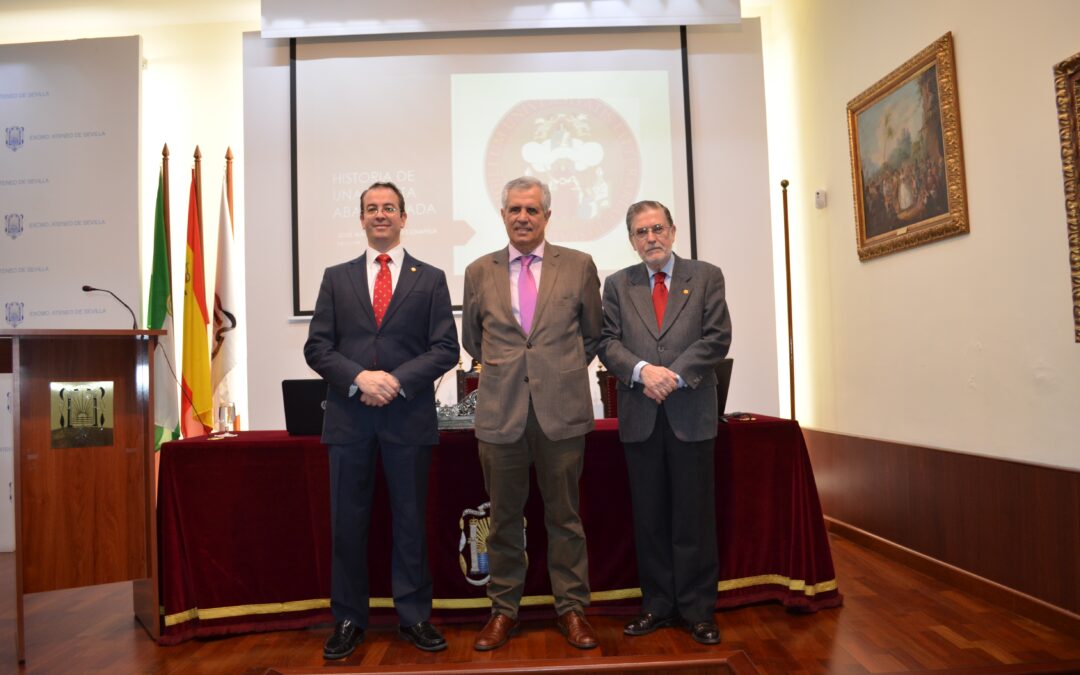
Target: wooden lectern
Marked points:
84	494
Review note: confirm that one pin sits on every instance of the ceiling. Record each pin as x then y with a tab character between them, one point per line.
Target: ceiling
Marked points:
30	20
37	16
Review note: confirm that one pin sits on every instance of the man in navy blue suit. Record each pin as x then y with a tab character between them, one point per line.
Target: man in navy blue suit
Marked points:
381	334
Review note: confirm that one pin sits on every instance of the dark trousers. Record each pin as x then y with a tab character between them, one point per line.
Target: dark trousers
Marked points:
506	477
352	482
672	491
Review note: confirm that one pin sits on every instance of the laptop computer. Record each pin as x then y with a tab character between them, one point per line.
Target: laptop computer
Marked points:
305	402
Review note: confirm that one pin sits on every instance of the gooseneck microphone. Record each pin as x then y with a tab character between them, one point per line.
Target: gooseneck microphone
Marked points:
134	321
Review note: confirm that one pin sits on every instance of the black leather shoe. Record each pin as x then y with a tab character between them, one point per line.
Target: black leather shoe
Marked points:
648	622
344	640
705	632
423	636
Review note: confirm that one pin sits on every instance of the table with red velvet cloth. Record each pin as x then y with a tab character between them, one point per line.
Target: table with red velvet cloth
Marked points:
244	530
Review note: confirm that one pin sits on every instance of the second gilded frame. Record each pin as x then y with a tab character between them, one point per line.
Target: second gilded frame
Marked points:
1067	87
907	160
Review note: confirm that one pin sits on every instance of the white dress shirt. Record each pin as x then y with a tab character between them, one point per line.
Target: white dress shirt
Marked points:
667	269
397	257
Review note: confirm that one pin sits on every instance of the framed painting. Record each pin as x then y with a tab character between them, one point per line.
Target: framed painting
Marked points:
907	161
1067	85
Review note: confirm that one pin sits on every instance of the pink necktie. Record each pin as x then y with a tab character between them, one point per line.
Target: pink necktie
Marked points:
526	293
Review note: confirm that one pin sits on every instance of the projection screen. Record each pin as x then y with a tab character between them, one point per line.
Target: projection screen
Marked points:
598	116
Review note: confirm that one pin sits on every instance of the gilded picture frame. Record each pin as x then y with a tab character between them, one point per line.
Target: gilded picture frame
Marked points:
1067	86
907	162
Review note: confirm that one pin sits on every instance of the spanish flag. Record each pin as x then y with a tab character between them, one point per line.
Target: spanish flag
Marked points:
196	416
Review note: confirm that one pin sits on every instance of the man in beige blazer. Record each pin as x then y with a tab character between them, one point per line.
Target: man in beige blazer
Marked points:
532	317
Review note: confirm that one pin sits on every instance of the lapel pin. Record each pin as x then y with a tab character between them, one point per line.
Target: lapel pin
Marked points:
412	269
685	291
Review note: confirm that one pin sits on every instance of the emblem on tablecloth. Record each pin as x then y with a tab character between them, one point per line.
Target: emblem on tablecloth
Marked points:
472	546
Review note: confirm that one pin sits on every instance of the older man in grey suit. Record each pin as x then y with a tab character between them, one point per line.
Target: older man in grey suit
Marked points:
532	317
666	327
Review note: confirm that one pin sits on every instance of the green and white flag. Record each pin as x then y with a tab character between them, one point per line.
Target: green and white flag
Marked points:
160	316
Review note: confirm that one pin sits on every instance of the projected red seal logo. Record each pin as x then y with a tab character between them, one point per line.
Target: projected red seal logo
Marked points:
582	148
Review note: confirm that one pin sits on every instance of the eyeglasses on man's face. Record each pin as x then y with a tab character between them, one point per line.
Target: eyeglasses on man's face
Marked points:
387	209
658	230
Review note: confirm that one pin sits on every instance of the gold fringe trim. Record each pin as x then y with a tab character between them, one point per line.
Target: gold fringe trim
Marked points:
795	585
246	610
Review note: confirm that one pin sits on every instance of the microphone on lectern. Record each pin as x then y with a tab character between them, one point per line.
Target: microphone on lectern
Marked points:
134	321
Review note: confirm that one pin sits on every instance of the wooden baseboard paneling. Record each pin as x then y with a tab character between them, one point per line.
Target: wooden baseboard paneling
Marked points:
1015	601
1004	530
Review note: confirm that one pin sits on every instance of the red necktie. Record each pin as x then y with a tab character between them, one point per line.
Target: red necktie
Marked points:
381	299
659	298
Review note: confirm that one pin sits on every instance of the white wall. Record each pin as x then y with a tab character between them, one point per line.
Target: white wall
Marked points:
191	94
731	189
964	344
275	340
731	185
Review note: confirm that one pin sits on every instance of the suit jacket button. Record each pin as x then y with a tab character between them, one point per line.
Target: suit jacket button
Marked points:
528	345
526	378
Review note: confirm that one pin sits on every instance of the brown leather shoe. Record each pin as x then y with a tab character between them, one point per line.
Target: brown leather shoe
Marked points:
495	633
577	630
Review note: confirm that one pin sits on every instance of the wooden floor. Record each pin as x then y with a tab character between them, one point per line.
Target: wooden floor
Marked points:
893	620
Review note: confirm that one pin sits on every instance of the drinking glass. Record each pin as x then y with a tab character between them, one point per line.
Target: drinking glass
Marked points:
226	418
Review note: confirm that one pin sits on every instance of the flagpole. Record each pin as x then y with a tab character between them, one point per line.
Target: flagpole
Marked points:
232	232
198	191
160	316
787	274
165	203
197	418
223	340
229	186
